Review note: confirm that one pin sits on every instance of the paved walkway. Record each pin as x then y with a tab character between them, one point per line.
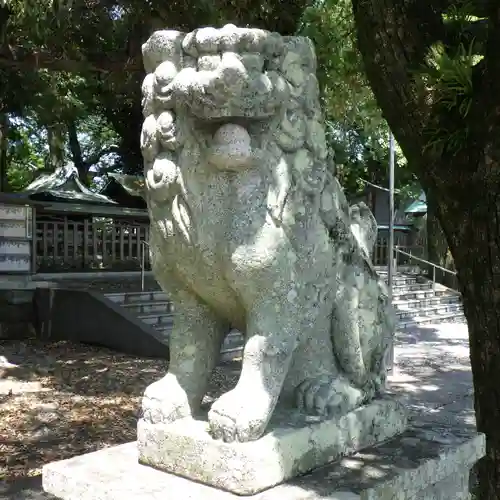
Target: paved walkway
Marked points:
432	375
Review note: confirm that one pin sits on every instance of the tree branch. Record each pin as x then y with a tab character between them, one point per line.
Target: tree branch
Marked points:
18	58
92	160
488	76
475	32
394	38
83	164
76	150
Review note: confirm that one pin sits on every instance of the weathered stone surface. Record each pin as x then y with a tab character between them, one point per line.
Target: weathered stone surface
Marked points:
416	465
294	444
251	230
454	487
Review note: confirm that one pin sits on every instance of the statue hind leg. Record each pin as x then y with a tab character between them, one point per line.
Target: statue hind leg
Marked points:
346	335
316	379
361	324
348	384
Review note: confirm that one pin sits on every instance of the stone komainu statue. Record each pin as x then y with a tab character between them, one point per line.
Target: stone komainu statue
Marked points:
251	230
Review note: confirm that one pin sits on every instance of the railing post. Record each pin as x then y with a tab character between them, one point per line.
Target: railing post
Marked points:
390	270
65	241
434	278
85	243
34	241
142	265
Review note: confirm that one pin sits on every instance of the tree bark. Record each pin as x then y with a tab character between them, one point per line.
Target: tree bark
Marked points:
476	250
4	144
438	250
127	122
55	138
394	38
76	151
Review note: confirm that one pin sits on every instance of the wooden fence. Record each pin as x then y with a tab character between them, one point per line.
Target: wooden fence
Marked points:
416	247
68	246
89	246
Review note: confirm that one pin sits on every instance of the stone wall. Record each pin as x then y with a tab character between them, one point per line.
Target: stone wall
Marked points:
17	314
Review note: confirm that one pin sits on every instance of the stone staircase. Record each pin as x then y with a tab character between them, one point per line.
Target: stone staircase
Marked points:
414	298
155	309
417	302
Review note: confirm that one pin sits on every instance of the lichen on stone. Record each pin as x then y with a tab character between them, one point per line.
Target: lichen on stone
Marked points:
251	230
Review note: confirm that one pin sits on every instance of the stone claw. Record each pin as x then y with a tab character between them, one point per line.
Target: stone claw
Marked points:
328	396
233	419
165	401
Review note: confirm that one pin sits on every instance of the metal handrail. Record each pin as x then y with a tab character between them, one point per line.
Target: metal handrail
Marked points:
434	266
425	261
144	243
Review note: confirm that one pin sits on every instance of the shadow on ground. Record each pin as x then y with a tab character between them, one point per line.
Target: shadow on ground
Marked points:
28	488
432	373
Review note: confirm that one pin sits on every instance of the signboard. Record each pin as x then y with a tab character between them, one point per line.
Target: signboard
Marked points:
16	232
12	212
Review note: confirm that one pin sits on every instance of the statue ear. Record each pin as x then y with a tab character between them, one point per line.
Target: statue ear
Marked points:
369	220
355	213
363	226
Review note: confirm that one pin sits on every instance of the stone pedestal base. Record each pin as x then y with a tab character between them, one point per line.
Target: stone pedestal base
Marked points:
420	464
293	445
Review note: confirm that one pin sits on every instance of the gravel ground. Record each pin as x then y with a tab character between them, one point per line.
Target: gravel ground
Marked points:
62	399
59	400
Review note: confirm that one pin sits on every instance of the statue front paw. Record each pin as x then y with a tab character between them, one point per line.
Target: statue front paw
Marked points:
240	416
165	401
328	396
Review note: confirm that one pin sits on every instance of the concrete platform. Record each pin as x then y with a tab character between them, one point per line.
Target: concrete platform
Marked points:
420	464
293	445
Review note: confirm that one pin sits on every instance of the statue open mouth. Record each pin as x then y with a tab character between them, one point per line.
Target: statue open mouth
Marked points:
223	73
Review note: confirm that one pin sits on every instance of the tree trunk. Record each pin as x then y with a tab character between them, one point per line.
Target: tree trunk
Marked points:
76	152
55	138
127	123
475	240
4	144
394	38
124	112
373	171
438	251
